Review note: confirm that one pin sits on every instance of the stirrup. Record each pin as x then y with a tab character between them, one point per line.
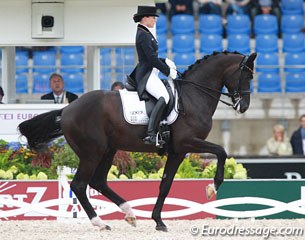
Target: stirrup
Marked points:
154	140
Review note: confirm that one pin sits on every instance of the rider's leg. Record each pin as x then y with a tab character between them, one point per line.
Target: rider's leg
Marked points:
157	89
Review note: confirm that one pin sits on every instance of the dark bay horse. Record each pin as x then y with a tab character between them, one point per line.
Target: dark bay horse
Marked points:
95	128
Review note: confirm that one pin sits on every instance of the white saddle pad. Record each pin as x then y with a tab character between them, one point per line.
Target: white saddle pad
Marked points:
135	112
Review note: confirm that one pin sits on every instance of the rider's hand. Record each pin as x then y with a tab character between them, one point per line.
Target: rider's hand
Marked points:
173	73
170	63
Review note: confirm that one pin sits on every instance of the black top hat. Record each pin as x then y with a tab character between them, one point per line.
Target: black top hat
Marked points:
145	11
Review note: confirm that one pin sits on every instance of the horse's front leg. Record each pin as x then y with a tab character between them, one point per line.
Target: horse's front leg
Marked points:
199	145
171	167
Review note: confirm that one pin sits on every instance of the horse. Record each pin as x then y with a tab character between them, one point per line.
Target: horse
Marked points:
95	128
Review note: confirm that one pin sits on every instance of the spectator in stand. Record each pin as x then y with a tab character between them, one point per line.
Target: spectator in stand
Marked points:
297	139
1	95
210	7
266	7
238	7
117	86
58	94
181	7
279	144
161	8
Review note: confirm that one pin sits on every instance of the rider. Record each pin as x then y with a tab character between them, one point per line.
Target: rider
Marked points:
146	72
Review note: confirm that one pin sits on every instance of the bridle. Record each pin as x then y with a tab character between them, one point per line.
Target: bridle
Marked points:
236	95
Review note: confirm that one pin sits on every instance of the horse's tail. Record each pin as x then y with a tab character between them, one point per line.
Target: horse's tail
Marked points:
41	129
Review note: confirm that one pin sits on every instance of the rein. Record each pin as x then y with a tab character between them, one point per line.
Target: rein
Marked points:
207	90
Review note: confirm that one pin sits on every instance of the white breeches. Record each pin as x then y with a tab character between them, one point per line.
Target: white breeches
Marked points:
155	87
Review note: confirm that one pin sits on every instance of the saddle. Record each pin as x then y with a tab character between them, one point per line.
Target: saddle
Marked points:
150	101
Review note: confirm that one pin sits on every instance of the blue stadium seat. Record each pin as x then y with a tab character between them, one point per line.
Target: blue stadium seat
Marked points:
41	83
105	51
161	25
294	42
267	62
74	82
183	24
265	24
162	43
183	60
266	43
21	83
183	43
126	60
106	81
210	24
162	54
294	62
124	50
238	24
295	82
239	43
71	49
72	62
22	62
121	76
210	43
44	61
292	23
290	7
105	59
269	83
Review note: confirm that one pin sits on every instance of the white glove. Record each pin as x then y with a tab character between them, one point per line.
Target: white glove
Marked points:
173	73
170	63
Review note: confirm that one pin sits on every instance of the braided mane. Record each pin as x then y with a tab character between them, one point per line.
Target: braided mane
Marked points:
206	57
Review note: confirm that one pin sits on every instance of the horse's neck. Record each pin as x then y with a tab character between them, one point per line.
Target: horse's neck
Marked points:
200	98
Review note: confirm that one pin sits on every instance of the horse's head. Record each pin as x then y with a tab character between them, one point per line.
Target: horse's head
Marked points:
238	83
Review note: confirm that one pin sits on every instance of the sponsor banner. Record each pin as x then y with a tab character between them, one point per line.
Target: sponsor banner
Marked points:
279	168
271	199
27	200
11	115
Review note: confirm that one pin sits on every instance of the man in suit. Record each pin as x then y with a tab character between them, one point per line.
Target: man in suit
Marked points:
297	139
146	72
58	94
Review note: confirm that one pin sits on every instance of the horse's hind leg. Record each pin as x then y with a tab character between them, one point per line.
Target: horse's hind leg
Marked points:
79	186
99	183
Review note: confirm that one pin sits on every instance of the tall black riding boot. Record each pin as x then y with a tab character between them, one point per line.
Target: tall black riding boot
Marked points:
154	122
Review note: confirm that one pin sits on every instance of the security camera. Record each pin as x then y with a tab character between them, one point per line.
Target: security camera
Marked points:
47	21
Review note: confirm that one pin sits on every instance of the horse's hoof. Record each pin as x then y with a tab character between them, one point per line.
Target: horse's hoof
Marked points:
162	228
210	191
106	227
131	220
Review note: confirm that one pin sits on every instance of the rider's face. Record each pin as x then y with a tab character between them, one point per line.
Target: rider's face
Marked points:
149	21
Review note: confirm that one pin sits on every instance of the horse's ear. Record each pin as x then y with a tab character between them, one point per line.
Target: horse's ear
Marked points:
251	58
